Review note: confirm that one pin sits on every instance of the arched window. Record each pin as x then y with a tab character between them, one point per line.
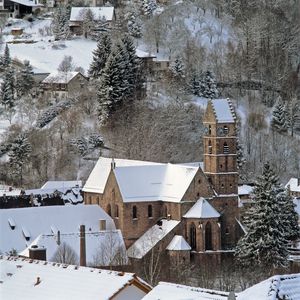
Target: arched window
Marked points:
108	209
209	147
165	211
225	148
98	200
149	211
225	130
208	238
193	240
209	129
116	211
134	212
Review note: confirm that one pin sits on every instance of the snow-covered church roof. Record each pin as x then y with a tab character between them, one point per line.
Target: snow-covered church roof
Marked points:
21	226
178	243
201	210
142	180
24	279
223	110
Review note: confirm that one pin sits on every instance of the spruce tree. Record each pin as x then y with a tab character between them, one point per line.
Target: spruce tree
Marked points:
100	55
279	118
148	7
113	85
177	67
134	26
18	155
208	86
25	81
265	242
60	23
8	89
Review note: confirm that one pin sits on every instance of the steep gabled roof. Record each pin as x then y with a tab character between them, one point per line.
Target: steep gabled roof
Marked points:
293	185
223	110
166	182
102	247
178	243
18	280
99	175
47	220
168	291
151	238
201	210
60	77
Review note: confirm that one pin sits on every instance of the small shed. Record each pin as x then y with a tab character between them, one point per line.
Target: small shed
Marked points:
16	31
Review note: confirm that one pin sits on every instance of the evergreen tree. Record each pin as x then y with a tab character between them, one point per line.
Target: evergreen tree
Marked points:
18	155
148	7
134	26
265	242
25	81
208	86
88	22
6	57
8	89
194	83
60	23
279	118
100	55
177	67
113	85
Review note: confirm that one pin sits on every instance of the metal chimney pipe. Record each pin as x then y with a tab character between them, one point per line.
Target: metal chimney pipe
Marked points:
82	246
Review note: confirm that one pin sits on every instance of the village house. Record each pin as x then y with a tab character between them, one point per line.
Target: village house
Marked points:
276	287
20	8
22	278
22	227
153	202
100	14
61	85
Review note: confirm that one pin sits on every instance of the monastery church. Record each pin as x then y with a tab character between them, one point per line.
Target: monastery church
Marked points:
191	207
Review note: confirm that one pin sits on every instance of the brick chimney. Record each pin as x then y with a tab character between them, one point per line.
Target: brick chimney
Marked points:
38	253
102	225
82	246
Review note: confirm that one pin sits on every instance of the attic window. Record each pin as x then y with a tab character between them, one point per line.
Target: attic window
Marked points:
26	234
11	223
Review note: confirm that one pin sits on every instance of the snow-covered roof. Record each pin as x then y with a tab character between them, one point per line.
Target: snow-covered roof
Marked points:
293	185
150	238
297	203
178	243
99	175
99	13
60	77
167	291
276	287
166	182
245	189
45	220
102	247
18	280
142	54
202	210
30	3
62	184
223	110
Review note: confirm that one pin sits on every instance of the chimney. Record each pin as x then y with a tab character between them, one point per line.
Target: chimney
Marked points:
113	164
102	224
82	246
58	238
38	253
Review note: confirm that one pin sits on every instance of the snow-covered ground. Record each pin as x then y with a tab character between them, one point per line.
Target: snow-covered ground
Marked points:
44	53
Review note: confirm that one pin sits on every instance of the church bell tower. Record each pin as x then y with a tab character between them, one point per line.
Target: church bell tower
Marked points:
220	165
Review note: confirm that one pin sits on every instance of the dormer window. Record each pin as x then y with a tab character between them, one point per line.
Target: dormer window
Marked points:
11	223
225	148
26	234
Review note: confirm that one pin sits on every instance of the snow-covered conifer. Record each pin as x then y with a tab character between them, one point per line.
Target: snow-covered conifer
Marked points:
8	89
279	118
177	67
208	86
60	23
148	7
134	26
265	242
6	57
18	155
25	81
100	55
